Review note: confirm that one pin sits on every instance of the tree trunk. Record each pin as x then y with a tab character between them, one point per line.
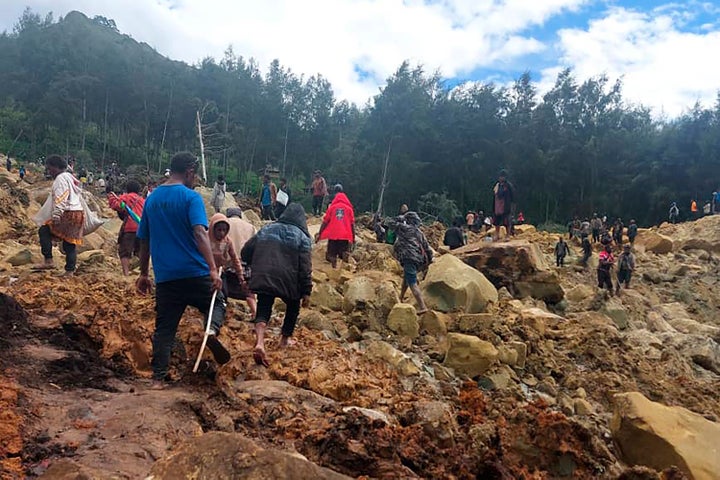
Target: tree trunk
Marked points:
105	131
167	119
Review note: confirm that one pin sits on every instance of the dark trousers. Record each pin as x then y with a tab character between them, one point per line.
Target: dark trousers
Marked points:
624	276
605	280
279	209
46	248
595	235
264	311
171	299
267	212
317	204
560	260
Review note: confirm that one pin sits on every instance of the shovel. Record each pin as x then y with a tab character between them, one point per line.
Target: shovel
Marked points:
207	328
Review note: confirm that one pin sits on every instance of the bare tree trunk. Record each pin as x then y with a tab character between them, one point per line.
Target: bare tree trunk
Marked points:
384	176
167	119
105	132
202	146
287	128
84	117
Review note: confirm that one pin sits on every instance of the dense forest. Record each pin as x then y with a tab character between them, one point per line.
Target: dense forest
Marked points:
78	86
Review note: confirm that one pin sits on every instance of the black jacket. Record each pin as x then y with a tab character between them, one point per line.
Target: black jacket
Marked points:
454	238
279	256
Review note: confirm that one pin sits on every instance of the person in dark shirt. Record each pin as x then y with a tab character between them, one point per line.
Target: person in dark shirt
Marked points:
454	237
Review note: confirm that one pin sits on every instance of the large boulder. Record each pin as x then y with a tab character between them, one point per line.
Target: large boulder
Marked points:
403	320
659	437
369	300
383	351
229	455
452	285
654	242
469	355
326	297
517	265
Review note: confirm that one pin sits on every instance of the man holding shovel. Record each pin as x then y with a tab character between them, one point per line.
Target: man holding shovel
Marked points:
173	230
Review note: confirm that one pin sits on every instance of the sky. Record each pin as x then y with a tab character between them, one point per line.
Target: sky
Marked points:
661	50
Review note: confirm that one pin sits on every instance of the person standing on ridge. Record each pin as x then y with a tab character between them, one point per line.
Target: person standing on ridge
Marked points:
173	231
596	226
626	266
606	261
280	256
617	232
413	252
66	218
503	198
338	227
674	213
268	197
128	244
693	209
217	200
319	191
632	232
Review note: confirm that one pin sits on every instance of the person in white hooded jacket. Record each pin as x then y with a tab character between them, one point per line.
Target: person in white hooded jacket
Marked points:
66	223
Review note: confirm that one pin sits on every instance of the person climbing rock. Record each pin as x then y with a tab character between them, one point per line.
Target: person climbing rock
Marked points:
240	232
217	200
626	267
65	217
606	261
561	250
281	262
338	227
173	231
413	252
128	244
226	256
454	237
587	250
319	191
268	195
632	232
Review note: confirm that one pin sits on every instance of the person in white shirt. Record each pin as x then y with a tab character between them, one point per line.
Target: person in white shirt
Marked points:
66	219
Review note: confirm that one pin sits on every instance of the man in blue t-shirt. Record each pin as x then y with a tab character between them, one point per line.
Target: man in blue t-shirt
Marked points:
173	230
268	197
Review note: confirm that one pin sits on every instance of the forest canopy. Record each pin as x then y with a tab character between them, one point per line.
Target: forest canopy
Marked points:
77	85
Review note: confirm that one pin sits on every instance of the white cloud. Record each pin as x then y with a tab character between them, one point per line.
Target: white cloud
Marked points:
662	66
331	37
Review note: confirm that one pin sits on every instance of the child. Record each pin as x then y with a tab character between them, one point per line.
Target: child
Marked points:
224	253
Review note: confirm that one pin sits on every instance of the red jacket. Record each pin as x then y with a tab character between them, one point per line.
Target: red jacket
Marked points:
339	219
132	200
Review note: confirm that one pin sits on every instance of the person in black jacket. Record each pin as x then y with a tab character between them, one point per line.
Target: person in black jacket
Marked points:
280	258
454	237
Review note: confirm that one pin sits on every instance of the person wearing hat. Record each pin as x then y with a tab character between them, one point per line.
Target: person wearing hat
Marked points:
319	191
338	227
626	266
503	198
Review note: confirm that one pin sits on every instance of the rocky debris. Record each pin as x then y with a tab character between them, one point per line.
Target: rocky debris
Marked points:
21	257
403	320
229	455
434	323
658	436
468	355
614	309
654	242
326	297
452	285
383	351
369	300
517	265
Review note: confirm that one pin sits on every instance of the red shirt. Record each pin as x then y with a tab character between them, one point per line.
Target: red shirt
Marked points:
132	200
339	219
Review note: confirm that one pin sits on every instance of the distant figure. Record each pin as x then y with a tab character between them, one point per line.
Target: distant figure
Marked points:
454	237
281	262
128	244
605	265
617	232
626	266
378	228
217	200
503	198
587	250
561	250
21	172
319	191
469	220
632	231
8	164
585	227
596	225
338	227
520	218
101	185
706	208
403	209
674	213
268	197
716	202
693	209
283	198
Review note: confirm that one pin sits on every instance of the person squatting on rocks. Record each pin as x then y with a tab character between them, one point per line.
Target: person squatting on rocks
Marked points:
596	226
413	252
173	231
503	198
280	256
240	232
217	200
128	244
338	227
66	218
454	237
606	260
587	250
626	266
268	197
561	250
319	191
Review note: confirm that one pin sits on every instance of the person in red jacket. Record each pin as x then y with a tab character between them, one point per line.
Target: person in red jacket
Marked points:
128	244
338	227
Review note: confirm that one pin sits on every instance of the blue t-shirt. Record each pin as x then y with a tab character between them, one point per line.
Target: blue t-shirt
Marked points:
168	219
266	199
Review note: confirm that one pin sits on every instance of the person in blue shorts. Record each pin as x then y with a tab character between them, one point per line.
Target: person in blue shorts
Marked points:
173	231
412	250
